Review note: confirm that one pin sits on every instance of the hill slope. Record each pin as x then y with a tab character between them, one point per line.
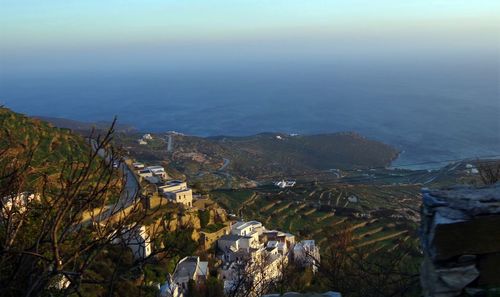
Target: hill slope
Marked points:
21	136
261	156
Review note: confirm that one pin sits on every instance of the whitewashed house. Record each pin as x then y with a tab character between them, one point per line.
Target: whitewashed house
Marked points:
143	173
189	268
252	254
306	254
157	171
178	192
138	165
139	241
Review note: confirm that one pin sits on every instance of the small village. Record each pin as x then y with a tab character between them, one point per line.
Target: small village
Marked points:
247	253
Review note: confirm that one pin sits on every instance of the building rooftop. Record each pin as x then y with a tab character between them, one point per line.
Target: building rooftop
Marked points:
174	182
242	225
186	267
156	167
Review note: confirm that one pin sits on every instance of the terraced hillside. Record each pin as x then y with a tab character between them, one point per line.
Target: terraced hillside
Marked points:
379	216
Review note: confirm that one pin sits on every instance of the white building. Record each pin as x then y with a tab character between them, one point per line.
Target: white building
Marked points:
145	173
172	186
147	137
254	269
285	184
157	171
306	254
247	228
252	254
178	192
138	165
184	197
141	142
189	268
138	240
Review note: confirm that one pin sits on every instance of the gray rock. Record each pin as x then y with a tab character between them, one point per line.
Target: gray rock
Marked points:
457	278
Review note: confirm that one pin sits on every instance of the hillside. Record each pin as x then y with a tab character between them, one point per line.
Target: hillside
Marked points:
267	156
51	147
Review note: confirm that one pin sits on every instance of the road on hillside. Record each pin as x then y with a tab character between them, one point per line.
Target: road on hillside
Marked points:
225	163
170	143
131	190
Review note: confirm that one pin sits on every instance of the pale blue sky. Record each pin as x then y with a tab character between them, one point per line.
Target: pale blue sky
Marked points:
33	24
56	35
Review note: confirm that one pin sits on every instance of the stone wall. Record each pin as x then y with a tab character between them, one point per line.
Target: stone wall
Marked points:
209	239
460	235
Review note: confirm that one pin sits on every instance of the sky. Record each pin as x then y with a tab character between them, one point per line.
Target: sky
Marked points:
51	27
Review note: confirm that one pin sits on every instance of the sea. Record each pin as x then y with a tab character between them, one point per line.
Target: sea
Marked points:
432	111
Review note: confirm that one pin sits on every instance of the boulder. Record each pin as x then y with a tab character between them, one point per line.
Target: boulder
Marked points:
477	236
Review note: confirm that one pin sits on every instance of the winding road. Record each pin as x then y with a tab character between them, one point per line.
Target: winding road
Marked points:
131	190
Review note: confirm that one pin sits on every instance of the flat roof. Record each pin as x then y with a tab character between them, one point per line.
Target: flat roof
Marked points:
186	267
242	225
173	182
155	167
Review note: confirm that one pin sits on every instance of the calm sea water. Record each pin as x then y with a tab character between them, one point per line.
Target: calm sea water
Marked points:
432	112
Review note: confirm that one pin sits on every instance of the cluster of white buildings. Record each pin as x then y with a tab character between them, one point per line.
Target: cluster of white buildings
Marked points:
152	174
251	257
144	139
471	169
176	191
256	256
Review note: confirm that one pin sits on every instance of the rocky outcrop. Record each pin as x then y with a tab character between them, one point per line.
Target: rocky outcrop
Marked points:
460	235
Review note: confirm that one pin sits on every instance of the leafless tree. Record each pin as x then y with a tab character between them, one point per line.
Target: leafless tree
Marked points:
368	271
260	274
53	225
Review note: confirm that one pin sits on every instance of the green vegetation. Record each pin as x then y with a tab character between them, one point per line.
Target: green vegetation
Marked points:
213	227
53	146
381	213
229	162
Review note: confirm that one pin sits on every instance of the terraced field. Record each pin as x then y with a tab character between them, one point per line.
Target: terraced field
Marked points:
378	216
